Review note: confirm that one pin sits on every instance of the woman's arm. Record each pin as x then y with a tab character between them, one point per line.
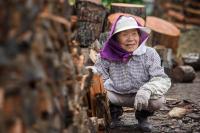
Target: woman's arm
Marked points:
159	82
102	68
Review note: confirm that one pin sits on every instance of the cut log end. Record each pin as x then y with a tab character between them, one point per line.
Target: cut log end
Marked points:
162	26
127	5
184	74
114	16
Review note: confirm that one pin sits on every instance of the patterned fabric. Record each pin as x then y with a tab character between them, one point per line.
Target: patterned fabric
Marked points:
126	78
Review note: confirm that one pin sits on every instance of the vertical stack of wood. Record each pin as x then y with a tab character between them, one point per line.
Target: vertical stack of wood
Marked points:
183	13
42	83
91	17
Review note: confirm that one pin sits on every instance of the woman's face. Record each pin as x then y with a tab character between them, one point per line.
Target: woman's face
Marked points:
128	39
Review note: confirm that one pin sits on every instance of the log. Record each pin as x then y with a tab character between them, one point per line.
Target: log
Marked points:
135	9
176	15
114	16
96	88
98	100
39	69
94	1
163	33
183	18
192	59
183	74
183	26
90	22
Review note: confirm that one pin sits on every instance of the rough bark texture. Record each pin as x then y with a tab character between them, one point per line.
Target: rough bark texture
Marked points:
90	22
42	80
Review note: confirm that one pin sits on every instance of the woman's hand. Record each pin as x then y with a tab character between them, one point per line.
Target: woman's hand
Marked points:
142	99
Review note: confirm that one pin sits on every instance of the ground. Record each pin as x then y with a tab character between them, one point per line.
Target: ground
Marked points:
184	95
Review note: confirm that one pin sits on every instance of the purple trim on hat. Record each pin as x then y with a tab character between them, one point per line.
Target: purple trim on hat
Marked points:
112	50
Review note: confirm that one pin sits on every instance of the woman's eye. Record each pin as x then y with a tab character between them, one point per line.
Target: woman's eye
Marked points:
125	34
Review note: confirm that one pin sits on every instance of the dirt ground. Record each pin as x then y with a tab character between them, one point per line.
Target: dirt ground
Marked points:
184	95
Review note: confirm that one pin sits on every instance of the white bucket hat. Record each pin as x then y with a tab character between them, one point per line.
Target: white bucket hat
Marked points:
128	22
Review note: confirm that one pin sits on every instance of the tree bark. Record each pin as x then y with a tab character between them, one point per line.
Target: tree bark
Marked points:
90	22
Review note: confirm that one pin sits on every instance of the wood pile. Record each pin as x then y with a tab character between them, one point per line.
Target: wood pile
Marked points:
42	80
91	17
183	13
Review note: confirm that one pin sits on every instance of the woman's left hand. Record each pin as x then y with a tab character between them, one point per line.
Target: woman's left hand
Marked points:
142	99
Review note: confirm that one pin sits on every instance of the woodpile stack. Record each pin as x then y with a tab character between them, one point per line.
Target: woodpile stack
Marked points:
91	17
42	80
183	13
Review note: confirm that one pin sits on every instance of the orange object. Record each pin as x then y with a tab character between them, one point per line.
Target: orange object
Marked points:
112	18
162	26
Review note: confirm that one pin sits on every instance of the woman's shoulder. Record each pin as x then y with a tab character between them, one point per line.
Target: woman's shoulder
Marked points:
150	51
102	60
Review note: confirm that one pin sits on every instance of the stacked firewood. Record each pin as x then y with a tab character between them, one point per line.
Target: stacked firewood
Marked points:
183	13
42	80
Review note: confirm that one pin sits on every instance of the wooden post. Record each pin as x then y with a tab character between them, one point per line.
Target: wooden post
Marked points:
163	33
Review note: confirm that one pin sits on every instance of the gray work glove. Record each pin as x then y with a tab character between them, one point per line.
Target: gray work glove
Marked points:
142	99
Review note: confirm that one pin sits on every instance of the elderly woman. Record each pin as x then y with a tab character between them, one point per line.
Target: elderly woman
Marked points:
131	71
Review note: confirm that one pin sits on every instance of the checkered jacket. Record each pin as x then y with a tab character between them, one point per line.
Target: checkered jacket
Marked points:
142	71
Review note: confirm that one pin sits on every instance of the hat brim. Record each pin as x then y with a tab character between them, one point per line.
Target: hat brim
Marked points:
145	29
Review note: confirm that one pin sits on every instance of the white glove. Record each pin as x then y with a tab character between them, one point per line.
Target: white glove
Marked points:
142	99
94	70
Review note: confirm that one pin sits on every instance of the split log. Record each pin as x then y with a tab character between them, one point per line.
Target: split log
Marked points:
163	33
183	74
96	88
90	22
98	100
135	9
192	59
